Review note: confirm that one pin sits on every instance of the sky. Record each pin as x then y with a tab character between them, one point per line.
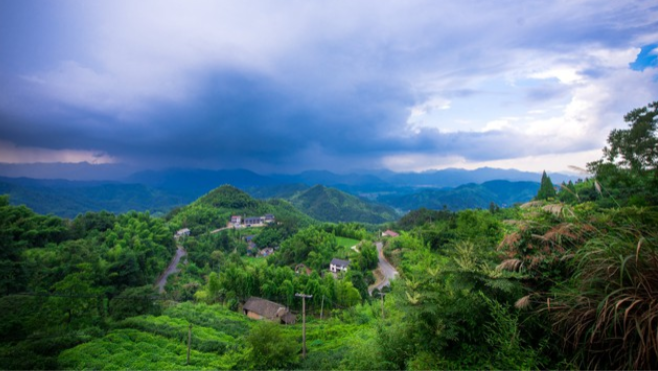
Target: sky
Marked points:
286	86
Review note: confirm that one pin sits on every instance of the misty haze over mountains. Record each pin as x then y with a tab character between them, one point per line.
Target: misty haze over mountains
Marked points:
160	191
450	177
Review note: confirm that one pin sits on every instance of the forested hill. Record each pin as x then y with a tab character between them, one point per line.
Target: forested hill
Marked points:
163	191
332	205
214	209
68	199
470	196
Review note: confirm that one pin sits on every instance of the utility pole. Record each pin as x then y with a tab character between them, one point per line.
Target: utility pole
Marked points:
189	343
304	296
322	308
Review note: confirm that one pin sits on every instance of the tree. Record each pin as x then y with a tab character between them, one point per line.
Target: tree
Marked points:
135	301
493	208
568	193
546	189
628	171
270	350
635	148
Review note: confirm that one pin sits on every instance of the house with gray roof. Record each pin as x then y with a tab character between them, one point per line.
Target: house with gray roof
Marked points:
258	308
338	265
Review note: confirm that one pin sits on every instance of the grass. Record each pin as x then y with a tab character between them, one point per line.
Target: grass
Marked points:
254	261
218	341
346	242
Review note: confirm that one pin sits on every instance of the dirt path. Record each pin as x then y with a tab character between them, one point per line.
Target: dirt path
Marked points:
171	269
220	229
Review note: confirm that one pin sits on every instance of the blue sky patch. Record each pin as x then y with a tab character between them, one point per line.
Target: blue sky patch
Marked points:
648	57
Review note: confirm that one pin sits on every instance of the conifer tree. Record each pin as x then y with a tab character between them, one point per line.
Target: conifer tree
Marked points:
546	189
568	193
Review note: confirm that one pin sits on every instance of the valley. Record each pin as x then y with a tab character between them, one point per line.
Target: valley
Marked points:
217	283
321	195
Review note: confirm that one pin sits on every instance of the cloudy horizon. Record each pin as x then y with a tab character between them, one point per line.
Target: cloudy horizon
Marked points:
288	86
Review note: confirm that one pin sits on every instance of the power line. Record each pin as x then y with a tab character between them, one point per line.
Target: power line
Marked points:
79	296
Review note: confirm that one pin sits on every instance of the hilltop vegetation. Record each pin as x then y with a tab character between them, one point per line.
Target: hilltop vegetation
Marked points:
332	205
214	210
69	199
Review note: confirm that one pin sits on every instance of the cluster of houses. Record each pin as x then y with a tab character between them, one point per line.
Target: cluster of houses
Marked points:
252	248
258	308
237	221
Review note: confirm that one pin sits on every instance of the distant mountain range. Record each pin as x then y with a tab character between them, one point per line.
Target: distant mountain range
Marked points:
364	184
366	197
503	193
456	177
70	198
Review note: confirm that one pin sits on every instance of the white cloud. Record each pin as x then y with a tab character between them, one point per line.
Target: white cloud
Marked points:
597	82
12	154
561	163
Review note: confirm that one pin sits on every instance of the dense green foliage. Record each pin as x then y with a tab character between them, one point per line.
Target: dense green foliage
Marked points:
69	199
332	205
627	174
214	210
569	282
63	279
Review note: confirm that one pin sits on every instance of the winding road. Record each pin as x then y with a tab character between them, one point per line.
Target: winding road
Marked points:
388	271
171	269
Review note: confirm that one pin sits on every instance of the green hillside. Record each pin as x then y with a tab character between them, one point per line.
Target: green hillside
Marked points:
469	196
69	200
332	205
221	340
214	209
284	191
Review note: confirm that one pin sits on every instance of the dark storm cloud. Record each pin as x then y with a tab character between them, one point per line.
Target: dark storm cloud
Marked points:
294	85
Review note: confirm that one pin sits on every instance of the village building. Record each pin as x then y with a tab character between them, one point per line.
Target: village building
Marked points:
182	233
252	248
338	265
303	269
266	252
236	219
253	220
390	233
258	308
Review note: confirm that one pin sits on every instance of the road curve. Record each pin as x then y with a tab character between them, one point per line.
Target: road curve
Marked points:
171	269
385	267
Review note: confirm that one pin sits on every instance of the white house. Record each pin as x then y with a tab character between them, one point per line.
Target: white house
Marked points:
337	265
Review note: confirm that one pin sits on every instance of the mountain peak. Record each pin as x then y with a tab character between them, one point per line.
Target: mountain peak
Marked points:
227	196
